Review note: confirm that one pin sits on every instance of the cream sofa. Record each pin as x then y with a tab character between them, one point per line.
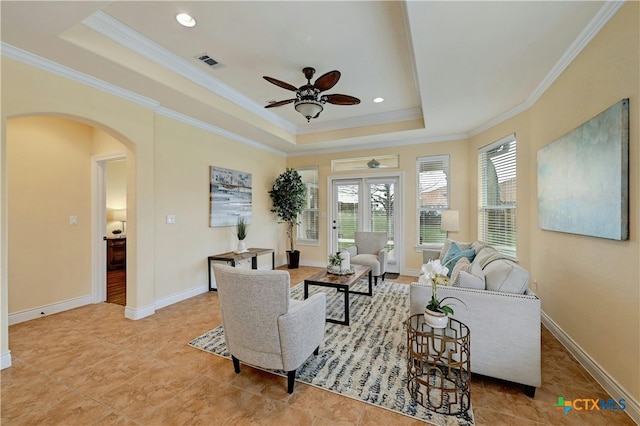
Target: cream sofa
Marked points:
504	326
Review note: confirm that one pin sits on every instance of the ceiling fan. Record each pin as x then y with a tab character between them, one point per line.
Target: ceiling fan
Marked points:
308	100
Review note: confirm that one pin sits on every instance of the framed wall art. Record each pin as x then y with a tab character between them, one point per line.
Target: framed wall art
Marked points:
230	197
583	178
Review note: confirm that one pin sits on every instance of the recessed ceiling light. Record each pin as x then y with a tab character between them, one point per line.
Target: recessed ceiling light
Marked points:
186	20
378	100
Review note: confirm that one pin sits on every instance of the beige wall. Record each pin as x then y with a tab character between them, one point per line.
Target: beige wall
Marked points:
49	178
183	155
581	277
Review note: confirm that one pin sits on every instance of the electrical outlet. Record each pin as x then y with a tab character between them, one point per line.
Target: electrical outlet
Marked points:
73	220
535	285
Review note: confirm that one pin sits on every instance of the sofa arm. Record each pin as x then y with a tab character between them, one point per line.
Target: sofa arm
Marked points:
505	329
301	329
353	251
430	254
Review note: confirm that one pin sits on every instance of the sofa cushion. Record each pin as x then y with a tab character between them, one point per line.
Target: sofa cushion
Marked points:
454	254
506	276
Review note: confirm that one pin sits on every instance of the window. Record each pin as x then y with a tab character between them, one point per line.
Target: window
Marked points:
497	195
308	226
433	197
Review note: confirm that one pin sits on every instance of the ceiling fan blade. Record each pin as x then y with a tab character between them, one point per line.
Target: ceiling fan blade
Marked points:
337	99
327	81
279	103
280	83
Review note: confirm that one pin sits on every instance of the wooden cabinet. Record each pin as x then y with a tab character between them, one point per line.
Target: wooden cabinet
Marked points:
116	253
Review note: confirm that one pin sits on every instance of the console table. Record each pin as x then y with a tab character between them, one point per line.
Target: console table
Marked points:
233	257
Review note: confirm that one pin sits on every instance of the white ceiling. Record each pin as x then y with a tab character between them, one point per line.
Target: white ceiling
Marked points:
447	69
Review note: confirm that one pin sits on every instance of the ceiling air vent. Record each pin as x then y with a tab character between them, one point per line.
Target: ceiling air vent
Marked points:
209	60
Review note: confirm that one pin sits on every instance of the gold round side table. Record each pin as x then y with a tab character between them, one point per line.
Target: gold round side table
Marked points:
439	365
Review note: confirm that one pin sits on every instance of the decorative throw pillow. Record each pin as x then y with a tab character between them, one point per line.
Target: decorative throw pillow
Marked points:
466	280
456	253
461	265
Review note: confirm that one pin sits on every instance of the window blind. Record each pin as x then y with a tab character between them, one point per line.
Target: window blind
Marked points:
497	195
433	197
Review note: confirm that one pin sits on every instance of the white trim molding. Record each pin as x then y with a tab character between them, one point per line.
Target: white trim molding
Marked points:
610	385
53	308
179	297
139	313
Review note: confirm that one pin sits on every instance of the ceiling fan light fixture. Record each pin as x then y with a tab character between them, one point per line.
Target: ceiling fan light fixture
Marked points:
309	108
185	20
378	100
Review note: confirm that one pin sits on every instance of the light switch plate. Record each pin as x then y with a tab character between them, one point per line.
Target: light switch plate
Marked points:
171	219
73	220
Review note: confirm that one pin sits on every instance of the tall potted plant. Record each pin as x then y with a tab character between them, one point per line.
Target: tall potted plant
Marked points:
288	197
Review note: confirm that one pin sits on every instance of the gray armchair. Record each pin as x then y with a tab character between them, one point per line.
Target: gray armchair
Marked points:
370	250
262	325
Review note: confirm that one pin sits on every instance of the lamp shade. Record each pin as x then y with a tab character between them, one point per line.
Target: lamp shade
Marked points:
450	221
119	215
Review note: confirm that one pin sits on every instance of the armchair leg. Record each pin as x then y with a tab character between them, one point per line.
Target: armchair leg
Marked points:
375	280
291	379
236	364
317	351
383	275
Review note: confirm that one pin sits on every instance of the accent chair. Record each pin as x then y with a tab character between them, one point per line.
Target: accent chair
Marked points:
370	250
263	326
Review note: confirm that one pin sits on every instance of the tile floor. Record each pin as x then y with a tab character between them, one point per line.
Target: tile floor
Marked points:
91	366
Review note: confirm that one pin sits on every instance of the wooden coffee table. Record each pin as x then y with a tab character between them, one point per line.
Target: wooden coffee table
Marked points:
342	283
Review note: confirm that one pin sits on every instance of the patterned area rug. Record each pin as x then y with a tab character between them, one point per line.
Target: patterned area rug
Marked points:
364	361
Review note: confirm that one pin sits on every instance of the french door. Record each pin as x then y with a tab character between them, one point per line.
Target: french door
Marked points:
366	204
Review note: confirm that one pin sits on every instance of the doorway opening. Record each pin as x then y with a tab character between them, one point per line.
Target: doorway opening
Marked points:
111	194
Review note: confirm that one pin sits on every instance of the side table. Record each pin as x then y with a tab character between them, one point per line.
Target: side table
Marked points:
439	365
232	257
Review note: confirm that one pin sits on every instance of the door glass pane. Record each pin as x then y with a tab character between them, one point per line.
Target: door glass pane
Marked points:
347	214
382	214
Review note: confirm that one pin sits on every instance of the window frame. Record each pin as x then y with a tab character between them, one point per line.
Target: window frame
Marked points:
436	208
506	240
301	235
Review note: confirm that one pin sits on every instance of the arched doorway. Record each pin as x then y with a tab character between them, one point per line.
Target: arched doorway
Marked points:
53	216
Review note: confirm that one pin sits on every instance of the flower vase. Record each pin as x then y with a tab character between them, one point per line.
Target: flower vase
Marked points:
242	247
435	319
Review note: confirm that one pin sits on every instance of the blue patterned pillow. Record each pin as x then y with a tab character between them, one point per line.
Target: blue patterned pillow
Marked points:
454	254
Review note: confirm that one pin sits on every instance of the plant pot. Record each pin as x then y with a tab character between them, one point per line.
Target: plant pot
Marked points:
293	259
242	247
435	319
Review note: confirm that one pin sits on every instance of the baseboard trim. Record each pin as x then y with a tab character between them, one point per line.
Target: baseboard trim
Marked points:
5	360
179	297
53	308
139	313
612	387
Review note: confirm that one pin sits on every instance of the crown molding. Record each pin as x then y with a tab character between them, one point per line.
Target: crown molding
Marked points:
385	144
213	129
45	64
606	12
87	80
115	30
608	9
